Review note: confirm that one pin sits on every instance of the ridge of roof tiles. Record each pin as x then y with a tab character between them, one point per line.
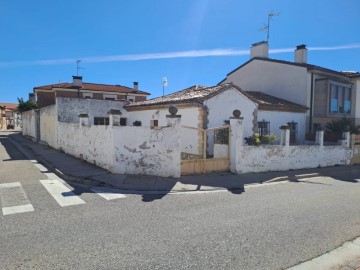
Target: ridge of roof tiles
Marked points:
198	93
93	87
195	93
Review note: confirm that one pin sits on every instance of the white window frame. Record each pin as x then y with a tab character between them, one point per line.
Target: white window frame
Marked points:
110	97
88	95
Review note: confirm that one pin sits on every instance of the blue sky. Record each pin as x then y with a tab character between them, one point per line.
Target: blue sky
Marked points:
120	42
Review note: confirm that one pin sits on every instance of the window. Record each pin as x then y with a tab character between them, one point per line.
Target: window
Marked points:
263	128
122	121
340	98
101	121
154	123
293	132
110	97
87	95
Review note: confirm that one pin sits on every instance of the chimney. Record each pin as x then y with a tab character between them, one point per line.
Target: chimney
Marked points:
136	86
259	49
77	81
300	54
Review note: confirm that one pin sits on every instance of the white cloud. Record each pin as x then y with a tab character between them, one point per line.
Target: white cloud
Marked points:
165	55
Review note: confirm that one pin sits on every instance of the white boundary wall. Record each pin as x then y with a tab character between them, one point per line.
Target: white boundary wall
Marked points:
48	125
246	159
123	149
29	124
282	158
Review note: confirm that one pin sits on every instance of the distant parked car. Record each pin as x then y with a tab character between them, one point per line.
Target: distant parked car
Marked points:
10	125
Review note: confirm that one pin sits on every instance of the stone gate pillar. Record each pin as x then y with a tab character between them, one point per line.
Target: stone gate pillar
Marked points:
236	141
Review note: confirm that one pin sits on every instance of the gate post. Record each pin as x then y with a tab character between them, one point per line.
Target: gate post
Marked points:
236	141
174	121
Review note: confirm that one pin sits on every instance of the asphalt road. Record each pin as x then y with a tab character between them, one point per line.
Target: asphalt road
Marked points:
266	227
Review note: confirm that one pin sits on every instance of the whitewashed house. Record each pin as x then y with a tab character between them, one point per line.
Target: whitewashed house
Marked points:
329	94
209	107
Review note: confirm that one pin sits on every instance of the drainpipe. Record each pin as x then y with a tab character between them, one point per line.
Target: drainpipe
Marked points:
311	101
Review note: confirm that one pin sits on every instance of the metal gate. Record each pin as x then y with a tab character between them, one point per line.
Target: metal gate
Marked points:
205	150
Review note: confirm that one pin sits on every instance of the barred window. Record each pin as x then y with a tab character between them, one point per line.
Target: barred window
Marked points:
263	128
101	121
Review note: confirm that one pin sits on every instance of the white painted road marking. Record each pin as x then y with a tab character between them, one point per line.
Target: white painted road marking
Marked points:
17	209
13	199
108	193
62	194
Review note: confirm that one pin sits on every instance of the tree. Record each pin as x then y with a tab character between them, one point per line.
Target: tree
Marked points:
25	105
337	127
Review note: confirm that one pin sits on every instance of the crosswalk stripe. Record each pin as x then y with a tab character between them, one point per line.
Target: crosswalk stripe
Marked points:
107	193
17	209
13	199
62	194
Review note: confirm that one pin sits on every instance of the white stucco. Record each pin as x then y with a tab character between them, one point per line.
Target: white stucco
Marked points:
91	143
147	151
277	119
189	117
48	125
246	159
284	81
124	149
29	124
68	109
282	158
221	107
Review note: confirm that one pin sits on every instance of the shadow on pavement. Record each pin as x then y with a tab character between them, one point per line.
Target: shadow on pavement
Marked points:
11	152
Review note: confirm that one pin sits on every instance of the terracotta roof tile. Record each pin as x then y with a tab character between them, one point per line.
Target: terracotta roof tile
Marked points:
195	93
270	103
9	106
94	87
198	93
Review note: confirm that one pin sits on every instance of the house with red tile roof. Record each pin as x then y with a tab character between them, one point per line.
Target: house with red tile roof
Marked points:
209	107
9	117
328	93
46	94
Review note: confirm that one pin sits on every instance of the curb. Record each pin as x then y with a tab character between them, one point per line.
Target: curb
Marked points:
346	256
53	168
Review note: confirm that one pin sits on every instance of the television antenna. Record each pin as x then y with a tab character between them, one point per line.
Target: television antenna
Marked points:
78	67
266	27
164	84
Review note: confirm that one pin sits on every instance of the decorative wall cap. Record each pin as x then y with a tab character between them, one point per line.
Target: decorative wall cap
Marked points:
173	110
173	116
113	111
236	113
284	127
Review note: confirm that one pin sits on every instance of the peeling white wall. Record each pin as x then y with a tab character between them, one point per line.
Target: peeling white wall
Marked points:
246	159
29	124
124	150
48	125
69	108
281	158
147	151
189	117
